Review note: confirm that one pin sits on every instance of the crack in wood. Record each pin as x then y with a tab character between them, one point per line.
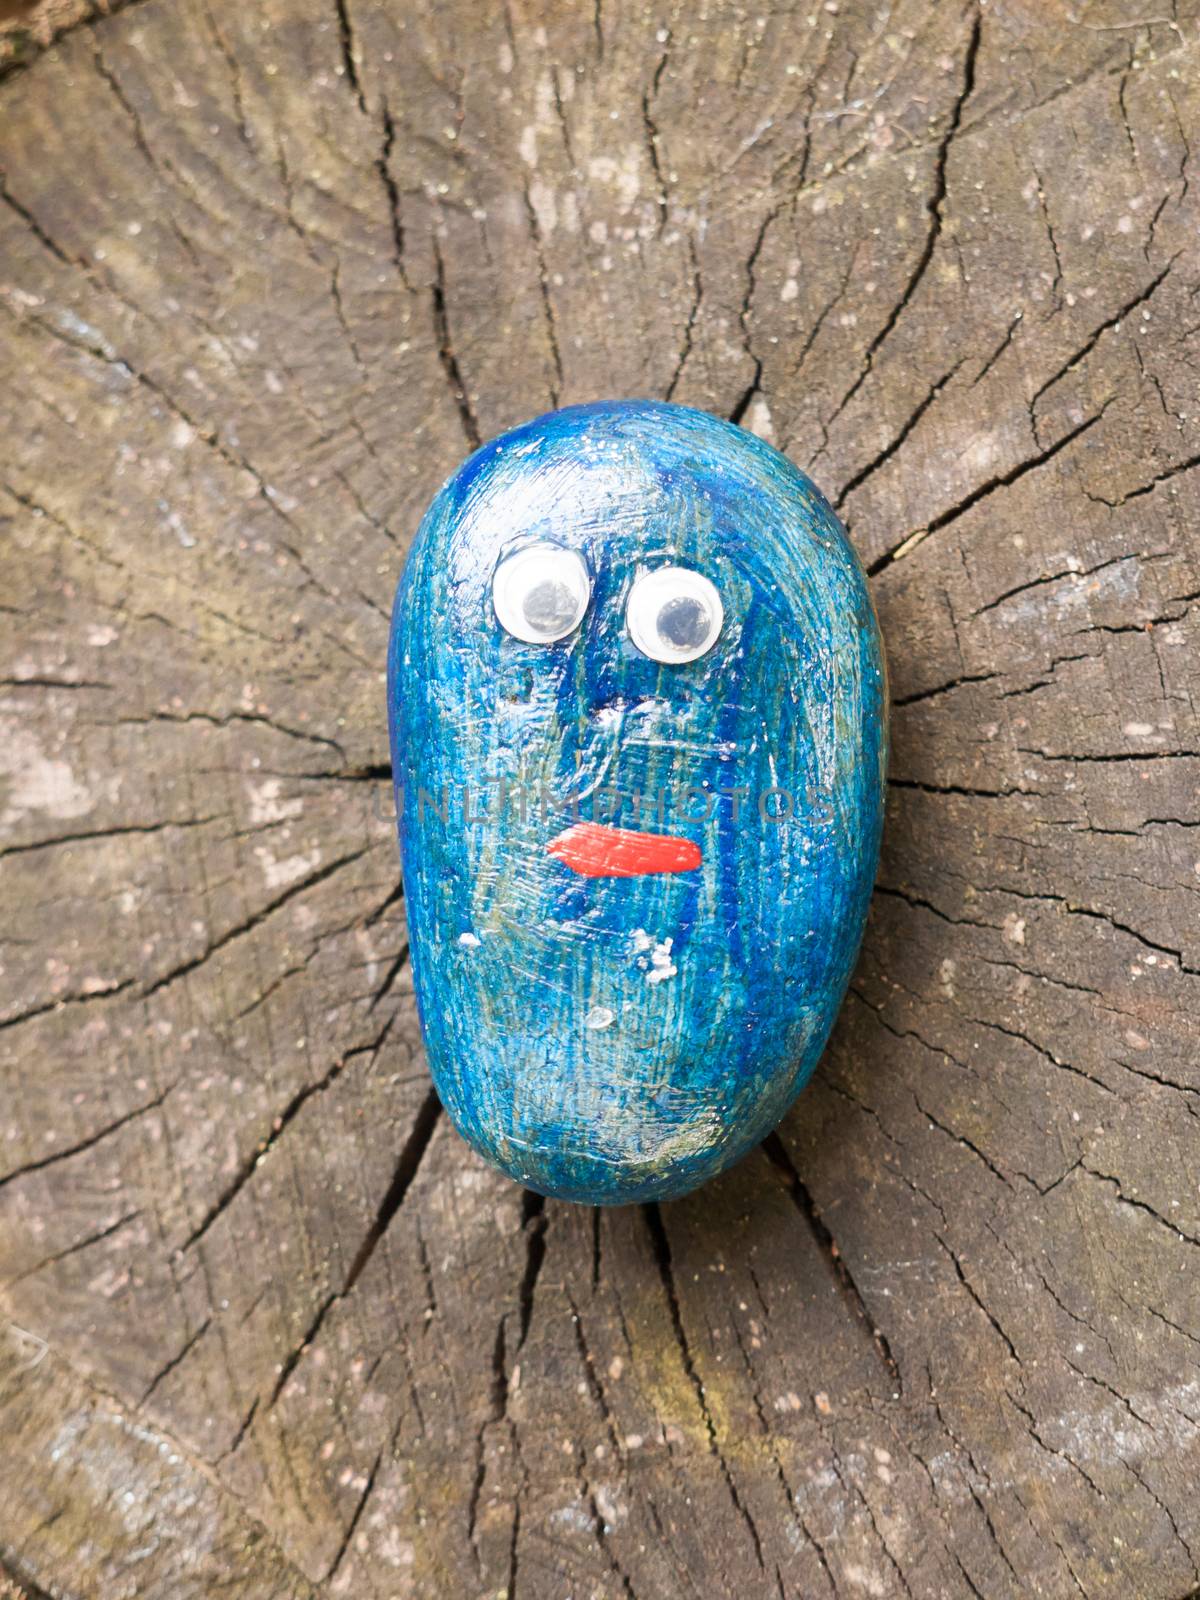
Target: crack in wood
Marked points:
935	207
1001	480
89	1142
279	1125
446	352
776	1151
405	1171
662	1253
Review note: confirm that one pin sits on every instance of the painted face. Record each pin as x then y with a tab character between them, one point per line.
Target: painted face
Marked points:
638	732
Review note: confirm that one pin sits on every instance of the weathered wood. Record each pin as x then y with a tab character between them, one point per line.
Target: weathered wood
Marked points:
27	26
268	271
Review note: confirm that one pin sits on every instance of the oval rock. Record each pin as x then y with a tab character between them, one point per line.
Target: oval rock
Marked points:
636	877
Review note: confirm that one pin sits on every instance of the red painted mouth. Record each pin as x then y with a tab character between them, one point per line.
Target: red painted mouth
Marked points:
596	851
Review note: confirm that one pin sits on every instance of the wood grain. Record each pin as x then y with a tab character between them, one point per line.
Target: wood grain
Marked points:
267	273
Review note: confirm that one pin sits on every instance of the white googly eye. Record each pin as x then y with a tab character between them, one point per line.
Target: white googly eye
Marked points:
674	614
541	593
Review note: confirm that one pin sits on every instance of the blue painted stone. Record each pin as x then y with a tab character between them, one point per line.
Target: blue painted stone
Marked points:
623	1038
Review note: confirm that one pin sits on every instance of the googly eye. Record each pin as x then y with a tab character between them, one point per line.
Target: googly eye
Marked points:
674	614
541	593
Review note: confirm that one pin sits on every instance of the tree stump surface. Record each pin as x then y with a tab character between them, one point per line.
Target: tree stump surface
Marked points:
269	1328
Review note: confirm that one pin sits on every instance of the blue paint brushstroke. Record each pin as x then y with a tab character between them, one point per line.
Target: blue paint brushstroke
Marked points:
517	960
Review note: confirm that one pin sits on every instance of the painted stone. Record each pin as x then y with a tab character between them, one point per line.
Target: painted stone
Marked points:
638	717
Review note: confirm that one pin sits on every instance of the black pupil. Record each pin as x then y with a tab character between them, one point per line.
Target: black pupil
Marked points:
683	622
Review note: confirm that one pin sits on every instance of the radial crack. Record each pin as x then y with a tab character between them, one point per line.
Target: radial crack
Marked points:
346	39
1002	480
278	1125
776	1152
935	206
662	1252
446	355
406	1170
89	1142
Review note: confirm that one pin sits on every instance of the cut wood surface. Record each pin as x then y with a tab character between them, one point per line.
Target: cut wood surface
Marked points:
27	26
267	273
